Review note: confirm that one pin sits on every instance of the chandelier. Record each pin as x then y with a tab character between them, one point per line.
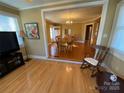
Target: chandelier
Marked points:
69	22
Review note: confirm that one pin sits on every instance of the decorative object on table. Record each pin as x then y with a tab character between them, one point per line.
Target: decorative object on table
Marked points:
22	34
32	30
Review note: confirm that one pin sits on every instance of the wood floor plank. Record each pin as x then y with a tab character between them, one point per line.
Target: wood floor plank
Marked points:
39	76
78	52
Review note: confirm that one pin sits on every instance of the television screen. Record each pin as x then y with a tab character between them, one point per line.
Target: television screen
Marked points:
8	42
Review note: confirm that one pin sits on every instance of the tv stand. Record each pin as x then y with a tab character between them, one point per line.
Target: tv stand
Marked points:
10	62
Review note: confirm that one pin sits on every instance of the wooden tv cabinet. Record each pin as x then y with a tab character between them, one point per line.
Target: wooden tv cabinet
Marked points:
10	62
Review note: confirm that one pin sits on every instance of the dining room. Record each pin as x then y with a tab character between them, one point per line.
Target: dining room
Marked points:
71	32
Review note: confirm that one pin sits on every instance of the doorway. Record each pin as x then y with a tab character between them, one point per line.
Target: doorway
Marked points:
103	16
54	31
88	32
64	31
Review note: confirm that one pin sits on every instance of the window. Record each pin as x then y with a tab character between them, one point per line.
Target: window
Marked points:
54	31
9	23
117	43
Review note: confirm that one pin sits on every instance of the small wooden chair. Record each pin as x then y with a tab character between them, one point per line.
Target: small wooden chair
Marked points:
95	62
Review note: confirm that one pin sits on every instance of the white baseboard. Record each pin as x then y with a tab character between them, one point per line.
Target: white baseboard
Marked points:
37	57
64	61
51	59
24	57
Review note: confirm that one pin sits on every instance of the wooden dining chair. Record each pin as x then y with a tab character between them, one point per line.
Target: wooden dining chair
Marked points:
95	62
58	41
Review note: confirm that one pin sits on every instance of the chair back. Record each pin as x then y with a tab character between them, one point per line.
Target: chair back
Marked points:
101	52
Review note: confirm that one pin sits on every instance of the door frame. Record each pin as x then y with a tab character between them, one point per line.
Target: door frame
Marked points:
105	4
85	25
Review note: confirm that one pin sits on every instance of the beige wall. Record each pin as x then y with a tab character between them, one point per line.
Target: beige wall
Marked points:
15	12
6	9
114	64
76	30
109	20
48	25
34	47
84	27
94	29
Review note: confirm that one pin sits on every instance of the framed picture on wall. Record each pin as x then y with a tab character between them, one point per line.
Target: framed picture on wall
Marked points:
32	30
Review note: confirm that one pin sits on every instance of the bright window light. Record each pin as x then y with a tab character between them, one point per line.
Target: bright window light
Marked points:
8	23
117	43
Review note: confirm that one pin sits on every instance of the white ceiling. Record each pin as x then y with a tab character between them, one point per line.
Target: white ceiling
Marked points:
77	15
25	4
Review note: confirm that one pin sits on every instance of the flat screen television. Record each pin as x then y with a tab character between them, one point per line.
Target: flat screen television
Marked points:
8	43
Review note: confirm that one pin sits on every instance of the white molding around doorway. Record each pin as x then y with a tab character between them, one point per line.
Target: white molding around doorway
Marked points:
86	4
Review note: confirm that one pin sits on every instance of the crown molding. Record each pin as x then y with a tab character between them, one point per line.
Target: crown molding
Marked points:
51	4
8	6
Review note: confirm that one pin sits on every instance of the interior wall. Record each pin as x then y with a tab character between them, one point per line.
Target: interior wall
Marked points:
109	21
9	10
48	25
94	23
76	30
114	64
36	47
15	12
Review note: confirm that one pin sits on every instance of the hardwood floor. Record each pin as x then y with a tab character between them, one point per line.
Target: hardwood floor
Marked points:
40	76
79	51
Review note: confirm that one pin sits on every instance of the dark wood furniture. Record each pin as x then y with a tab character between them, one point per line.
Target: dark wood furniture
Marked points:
10	62
105	85
95	62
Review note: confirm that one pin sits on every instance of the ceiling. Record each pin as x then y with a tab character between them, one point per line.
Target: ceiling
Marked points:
25	4
77	15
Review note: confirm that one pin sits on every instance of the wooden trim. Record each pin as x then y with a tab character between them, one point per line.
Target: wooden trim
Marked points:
51	4
102	22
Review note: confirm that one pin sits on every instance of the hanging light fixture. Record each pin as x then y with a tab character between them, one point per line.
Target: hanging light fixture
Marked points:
69	22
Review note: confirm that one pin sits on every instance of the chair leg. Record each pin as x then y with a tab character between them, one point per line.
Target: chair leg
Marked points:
98	70
84	65
93	72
